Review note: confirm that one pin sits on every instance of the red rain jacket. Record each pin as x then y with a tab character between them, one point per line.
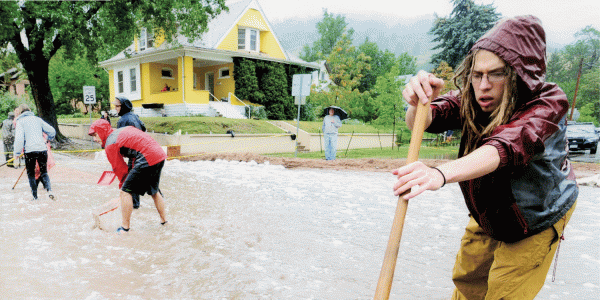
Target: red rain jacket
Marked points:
127	142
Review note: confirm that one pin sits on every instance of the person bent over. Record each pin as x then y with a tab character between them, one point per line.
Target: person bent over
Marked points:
512	166
148	159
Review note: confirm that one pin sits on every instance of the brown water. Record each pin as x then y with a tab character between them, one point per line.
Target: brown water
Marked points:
243	231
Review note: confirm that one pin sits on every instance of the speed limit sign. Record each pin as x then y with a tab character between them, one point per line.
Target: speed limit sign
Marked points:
89	95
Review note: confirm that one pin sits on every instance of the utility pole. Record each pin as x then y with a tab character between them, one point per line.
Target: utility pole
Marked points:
576	89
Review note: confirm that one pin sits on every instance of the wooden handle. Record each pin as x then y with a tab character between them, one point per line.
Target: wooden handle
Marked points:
19	178
384	285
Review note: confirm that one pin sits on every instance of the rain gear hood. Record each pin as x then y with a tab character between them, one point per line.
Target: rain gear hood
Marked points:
103	128
126	105
127	117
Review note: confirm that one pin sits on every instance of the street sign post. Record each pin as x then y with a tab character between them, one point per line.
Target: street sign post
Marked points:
300	89
89	98
89	95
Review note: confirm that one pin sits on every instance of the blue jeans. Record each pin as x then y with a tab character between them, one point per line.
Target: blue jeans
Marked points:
41	157
330	145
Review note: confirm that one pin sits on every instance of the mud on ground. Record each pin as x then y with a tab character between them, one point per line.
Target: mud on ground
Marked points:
360	164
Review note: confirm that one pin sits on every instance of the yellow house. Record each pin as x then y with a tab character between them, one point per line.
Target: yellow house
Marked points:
182	78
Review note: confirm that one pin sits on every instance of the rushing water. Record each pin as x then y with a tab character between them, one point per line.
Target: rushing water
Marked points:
249	231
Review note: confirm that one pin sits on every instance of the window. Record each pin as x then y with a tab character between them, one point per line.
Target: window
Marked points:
143	40
132	80
248	39
195	80
127	81
241	38
253	40
146	40
223	73
167	73
120	81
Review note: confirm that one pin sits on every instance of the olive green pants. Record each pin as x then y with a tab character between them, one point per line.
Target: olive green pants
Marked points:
489	269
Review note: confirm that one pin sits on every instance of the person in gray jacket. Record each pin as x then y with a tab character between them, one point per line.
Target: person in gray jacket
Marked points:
331	123
8	136
30	140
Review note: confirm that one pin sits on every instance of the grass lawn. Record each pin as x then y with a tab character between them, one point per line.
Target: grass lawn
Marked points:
426	152
194	125
217	125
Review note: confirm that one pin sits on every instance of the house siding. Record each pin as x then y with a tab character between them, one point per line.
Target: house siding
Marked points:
222	85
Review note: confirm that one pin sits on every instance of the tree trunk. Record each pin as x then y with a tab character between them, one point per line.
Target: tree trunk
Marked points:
37	72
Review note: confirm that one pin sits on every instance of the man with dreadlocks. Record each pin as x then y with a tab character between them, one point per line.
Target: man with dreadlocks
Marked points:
512	168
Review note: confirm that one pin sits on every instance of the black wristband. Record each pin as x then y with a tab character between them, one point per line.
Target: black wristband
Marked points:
442	175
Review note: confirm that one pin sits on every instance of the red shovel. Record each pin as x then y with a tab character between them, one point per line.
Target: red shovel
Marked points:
107	178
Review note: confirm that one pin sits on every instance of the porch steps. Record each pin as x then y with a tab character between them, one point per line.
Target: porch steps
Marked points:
226	110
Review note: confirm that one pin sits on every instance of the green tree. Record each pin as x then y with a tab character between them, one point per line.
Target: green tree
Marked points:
388	102
445	72
563	69
457	33
331	29
347	67
381	62
67	78
101	27
278	101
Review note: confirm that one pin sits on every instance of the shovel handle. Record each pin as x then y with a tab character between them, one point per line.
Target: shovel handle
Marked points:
386	276
19	178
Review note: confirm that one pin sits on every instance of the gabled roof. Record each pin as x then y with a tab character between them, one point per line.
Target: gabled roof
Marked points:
217	30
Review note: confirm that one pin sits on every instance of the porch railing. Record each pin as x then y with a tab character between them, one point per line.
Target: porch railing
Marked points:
246	105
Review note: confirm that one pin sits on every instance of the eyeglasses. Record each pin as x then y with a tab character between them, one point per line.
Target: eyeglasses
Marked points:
476	77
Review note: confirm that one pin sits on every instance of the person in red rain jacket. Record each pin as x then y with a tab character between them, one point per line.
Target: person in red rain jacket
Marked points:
512	165
144	177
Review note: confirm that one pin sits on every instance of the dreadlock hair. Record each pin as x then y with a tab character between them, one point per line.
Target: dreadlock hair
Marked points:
470	111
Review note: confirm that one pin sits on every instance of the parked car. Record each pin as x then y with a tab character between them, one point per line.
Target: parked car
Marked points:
598	131
582	136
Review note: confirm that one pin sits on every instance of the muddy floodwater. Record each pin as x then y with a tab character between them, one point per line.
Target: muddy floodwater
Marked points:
250	231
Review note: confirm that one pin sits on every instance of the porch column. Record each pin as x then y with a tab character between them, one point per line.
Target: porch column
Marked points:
145	82
186	83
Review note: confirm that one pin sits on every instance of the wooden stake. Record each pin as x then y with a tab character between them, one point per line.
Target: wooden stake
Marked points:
384	285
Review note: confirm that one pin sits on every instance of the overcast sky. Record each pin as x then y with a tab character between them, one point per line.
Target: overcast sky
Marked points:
560	18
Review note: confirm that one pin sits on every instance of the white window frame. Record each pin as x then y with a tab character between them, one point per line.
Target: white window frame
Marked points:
146	40
133	79
127	88
242	41
247	40
221	73
119	79
166	77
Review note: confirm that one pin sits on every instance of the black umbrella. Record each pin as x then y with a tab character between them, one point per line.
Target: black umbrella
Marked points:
340	112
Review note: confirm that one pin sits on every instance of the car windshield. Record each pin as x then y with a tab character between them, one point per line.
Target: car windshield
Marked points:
581	129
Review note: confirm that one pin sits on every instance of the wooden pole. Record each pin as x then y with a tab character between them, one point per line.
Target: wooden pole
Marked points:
19	178
576	88
384	285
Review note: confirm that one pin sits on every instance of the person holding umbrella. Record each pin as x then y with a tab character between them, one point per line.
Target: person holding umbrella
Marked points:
331	123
